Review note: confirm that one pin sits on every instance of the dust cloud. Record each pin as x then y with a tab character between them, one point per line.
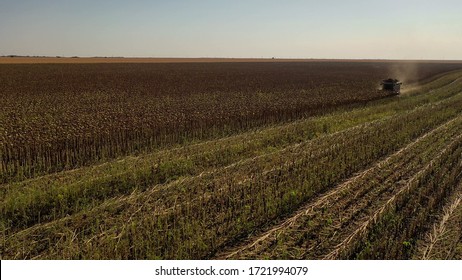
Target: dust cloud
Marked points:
406	72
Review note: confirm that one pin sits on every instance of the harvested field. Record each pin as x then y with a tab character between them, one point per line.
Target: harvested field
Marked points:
242	160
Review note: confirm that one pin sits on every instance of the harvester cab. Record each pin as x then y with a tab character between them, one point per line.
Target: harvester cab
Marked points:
392	85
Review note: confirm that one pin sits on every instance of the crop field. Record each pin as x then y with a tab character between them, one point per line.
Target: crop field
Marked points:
230	160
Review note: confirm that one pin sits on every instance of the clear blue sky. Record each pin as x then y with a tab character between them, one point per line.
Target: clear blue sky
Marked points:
236	28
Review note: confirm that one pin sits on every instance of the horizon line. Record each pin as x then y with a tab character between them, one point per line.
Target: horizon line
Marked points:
57	58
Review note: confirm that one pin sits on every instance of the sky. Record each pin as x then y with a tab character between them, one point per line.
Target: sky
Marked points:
233	29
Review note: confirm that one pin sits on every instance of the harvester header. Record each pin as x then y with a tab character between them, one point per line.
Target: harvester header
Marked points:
392	85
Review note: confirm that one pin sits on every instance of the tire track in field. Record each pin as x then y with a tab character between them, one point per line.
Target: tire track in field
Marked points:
331	197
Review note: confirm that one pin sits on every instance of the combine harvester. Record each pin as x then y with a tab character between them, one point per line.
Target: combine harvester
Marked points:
392	85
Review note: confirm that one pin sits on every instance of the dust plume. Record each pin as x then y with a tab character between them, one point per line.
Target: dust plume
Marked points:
407	72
